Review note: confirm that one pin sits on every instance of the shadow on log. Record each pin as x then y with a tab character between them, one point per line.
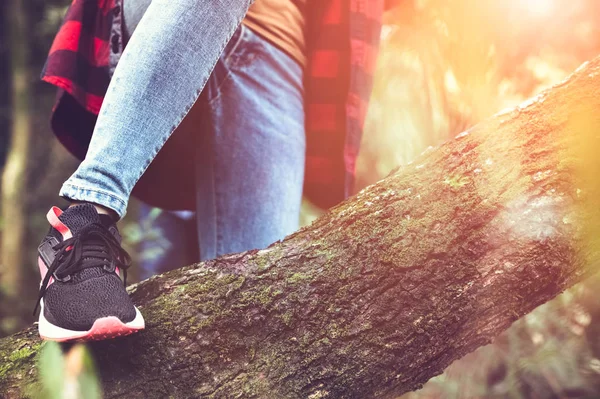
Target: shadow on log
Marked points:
388	288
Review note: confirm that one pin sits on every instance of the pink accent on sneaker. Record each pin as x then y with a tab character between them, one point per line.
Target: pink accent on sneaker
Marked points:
44	270
104	328
55	222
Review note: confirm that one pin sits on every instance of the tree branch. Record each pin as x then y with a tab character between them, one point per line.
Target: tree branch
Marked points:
388	288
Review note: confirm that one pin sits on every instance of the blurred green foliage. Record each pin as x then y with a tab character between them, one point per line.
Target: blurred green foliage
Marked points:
444	67
146	231
70	375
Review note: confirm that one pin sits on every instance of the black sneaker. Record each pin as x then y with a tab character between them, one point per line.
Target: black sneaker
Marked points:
82	296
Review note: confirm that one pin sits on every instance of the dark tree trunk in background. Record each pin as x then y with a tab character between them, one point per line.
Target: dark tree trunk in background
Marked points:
14	177
387	289
4	120
4	87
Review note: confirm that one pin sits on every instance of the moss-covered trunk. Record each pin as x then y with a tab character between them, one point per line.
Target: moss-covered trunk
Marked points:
385	290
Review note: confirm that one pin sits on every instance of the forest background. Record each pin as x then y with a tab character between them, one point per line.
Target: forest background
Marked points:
444	66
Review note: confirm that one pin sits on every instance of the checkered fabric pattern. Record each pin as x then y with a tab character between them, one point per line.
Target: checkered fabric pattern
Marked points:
342	43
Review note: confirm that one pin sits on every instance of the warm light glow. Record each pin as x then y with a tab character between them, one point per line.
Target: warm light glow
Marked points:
539	7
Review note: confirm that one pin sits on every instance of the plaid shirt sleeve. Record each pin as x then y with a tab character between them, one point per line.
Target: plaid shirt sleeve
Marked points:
78	62
343	37
342	41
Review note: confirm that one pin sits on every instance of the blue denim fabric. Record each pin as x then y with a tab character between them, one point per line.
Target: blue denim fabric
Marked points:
250	165
159	77
250	159
250	142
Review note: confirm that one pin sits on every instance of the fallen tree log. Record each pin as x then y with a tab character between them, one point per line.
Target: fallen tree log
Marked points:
388	288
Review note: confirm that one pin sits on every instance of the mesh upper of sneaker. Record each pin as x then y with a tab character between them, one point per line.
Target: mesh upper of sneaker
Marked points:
79	216
91	293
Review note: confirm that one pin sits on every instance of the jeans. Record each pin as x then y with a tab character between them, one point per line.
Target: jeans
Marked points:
244	97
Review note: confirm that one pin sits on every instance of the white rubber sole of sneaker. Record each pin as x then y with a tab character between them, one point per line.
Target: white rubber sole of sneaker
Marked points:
103	328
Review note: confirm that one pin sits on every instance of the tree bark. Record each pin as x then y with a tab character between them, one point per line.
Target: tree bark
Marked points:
385	290
14	177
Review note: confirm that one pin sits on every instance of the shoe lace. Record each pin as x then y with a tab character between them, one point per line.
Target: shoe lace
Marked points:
92	246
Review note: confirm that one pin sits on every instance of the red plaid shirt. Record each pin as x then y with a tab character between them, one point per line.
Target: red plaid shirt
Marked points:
342	43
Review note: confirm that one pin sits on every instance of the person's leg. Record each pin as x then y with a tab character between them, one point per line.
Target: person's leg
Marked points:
251	166
172	241
161	74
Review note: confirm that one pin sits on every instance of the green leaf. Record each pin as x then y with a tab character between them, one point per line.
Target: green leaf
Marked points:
51	365
89	385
